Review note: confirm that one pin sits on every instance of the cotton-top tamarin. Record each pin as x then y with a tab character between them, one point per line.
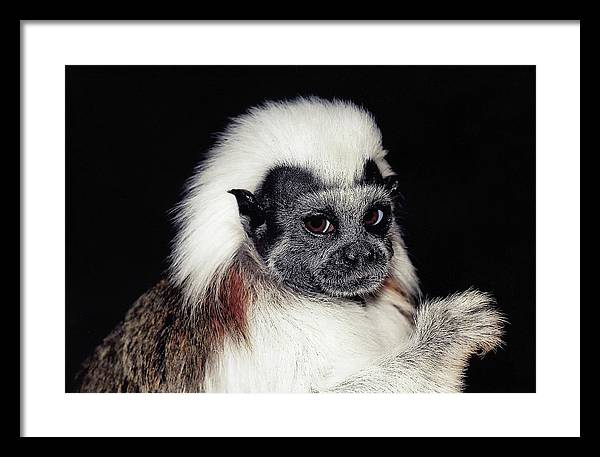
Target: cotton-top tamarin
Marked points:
289	274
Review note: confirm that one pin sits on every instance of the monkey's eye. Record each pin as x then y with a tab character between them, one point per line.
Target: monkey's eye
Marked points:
373	217
318	224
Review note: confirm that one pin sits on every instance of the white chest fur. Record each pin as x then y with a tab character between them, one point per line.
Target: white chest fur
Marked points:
306	346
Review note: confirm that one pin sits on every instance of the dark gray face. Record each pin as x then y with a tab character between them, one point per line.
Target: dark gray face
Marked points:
322	240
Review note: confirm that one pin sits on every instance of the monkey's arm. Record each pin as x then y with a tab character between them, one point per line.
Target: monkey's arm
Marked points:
447	332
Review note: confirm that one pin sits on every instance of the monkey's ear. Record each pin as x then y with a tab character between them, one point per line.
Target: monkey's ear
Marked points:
249	206
392	184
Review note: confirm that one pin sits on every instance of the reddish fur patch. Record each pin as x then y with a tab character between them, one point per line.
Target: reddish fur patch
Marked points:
404	300
233	299
392	286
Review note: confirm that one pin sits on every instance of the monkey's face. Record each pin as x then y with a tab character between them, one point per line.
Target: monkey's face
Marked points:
316	239
333	241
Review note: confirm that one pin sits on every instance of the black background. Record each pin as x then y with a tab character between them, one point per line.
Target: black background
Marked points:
462	140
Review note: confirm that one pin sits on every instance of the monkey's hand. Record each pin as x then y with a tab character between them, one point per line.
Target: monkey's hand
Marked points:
447	332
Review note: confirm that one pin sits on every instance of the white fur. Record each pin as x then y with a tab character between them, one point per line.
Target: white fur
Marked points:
306	345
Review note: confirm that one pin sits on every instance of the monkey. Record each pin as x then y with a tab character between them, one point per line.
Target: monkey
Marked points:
289	273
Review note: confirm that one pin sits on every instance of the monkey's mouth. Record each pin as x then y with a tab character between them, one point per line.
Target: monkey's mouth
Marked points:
352	284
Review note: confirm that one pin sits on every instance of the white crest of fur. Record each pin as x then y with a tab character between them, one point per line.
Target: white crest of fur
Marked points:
333	139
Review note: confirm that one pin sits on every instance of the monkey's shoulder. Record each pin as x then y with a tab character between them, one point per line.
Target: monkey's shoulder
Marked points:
154	340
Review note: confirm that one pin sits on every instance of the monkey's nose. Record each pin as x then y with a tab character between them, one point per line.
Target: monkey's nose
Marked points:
357	255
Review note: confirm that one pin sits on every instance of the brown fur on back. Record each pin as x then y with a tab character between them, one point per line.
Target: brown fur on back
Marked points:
164	346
